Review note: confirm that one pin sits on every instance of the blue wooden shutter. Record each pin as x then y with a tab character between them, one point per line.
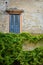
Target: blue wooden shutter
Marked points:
15	23
11	23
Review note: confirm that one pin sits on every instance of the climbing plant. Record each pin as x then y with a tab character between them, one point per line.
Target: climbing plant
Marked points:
11	49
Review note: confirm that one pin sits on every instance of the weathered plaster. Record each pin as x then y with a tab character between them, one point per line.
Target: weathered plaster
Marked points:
32	16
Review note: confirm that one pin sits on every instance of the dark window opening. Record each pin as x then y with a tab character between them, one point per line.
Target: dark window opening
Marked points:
16	62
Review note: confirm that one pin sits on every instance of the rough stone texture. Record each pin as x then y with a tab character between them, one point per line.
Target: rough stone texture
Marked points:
31	46
32	16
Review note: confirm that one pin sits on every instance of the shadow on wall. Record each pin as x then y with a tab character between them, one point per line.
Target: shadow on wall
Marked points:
16	62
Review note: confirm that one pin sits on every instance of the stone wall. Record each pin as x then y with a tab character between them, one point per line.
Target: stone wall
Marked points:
31	46
32	16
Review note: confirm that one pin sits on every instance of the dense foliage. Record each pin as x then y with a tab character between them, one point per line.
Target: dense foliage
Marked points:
34	57
11	49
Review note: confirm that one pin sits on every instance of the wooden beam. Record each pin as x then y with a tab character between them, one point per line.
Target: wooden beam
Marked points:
14	11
